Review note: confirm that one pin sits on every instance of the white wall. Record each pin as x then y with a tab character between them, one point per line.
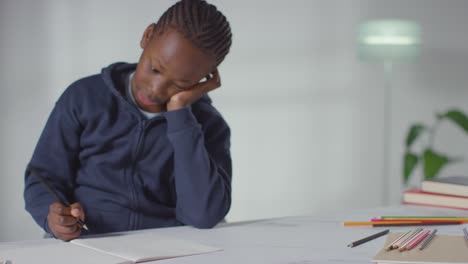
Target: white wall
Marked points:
306	114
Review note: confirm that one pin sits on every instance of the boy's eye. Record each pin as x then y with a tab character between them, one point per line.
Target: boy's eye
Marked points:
179	88
154	70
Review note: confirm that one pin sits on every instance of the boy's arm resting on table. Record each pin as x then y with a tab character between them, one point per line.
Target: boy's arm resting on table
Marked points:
202	166
55	158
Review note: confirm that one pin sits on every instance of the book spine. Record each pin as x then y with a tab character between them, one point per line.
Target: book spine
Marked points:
435	205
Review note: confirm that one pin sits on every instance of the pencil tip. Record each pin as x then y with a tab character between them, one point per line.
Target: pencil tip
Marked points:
85	227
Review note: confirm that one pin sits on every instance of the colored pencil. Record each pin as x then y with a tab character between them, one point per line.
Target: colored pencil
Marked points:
402	218
369	238
376	220
399	223
428	239
416	240
420	224
410	236
379	223
390	247
419	217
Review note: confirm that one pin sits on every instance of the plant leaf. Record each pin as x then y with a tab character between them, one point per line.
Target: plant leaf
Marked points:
411	160
413	133
458	117
433	162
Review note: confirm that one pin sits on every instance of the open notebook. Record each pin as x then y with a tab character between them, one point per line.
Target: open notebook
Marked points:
443	249
111	249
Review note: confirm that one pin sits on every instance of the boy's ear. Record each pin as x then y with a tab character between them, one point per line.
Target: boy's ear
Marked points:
147	35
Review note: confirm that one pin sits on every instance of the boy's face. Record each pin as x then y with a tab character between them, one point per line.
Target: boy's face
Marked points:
169	64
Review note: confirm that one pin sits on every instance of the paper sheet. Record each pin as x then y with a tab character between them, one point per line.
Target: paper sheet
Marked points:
58	254
143	247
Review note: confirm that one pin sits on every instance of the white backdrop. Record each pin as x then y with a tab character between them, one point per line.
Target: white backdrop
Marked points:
306	114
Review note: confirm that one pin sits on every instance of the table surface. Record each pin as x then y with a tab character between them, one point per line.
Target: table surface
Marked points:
291	240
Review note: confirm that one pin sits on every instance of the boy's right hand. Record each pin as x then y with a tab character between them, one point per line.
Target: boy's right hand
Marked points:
63	221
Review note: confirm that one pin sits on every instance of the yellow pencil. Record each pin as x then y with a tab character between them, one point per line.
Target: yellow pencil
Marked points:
396	223
381	223
459	219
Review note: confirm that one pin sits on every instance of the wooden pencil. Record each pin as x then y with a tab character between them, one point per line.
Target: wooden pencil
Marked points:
416	240
399	223
411	218
428	239
390	247
407	238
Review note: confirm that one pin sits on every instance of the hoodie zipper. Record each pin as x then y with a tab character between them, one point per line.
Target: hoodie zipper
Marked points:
134	195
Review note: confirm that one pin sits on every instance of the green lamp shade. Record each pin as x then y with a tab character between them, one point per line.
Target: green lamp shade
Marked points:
389	40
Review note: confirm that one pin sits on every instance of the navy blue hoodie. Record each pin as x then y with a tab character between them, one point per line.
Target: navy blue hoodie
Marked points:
127	171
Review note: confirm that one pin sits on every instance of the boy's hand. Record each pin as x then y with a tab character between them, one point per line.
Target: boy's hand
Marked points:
189	96
63	220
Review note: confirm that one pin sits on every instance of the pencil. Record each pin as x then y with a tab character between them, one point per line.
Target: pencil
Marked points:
466	233
54	193
405	240
415	241
422	218
402	223
369	238
416	220
377	223
390	247
428	239
421	224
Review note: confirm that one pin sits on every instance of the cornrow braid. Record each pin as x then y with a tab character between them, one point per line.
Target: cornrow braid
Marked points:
201	23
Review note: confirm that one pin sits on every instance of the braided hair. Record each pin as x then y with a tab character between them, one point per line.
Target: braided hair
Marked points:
201	23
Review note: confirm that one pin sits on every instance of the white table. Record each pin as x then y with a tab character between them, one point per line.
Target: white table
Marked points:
292	240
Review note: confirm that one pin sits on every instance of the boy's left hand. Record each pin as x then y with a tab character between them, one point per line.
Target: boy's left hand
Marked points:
187	97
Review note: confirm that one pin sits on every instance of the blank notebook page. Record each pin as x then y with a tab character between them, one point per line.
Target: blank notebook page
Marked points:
59	254
143	247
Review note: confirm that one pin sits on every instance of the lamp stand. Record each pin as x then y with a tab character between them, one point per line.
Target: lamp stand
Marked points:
388	67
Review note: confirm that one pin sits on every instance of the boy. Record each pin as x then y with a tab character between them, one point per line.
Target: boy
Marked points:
140	146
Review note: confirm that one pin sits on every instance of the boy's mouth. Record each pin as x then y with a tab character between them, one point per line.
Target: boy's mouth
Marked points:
145	100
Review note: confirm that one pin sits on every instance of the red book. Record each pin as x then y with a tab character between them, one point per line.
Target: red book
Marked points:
420	197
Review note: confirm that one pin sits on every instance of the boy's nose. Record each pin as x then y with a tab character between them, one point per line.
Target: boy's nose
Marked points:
160	89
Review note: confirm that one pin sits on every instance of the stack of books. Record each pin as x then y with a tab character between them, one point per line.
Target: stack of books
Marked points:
449	192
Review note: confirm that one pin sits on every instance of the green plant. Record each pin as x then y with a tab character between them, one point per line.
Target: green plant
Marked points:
432	161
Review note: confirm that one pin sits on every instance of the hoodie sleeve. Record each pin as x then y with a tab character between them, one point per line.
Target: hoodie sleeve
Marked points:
202	165
55	158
